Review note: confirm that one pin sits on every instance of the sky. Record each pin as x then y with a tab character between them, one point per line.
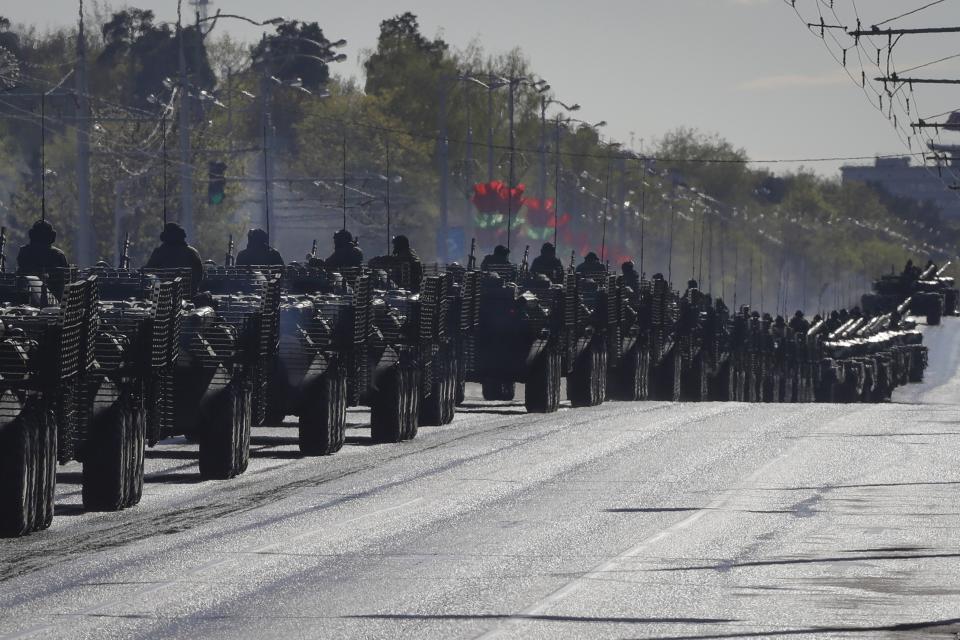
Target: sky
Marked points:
748	70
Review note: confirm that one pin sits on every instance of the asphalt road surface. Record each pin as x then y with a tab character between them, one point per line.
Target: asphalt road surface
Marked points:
629	520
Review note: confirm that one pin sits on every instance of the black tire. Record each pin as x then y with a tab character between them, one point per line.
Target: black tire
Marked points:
644	374
18	463
935	313
323	422
677	373
450	392
586	384
227	434
694	381
497	390
387	423
46	471
411	415
435	409
542	392
628	378
107	458
138	442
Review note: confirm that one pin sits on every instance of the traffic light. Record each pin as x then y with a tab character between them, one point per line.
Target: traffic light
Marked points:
218	183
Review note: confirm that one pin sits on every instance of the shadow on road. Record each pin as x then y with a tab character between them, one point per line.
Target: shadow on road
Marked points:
541	618
904	627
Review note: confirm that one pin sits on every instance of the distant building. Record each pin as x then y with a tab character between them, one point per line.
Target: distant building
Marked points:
898	177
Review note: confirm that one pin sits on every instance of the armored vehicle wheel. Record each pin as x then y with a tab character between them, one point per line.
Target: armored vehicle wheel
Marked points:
107	458
497	390
628	378
586	384
677	373
542	392
411	415
935	314
915	373
694	381
723	387
387	413
450	398
435	409
461	391
227	434
138	442
644	374
46	470
18	464
324	419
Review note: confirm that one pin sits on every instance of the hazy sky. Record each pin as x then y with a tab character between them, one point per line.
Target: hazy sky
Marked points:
746	69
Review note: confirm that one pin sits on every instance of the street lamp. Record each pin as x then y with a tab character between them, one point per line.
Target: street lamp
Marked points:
186	178
267	80
512	82
560	122
544	103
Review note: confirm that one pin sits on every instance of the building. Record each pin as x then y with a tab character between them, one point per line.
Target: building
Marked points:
900	178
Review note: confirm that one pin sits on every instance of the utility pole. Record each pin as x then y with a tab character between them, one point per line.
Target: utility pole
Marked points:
556	182
186	175
266	125
85	248
443	151
490	89
543	148
468	170
512	177
622	198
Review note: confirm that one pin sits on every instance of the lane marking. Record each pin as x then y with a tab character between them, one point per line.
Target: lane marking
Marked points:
153	588
574	585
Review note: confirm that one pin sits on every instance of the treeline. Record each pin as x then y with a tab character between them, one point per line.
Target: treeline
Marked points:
692	206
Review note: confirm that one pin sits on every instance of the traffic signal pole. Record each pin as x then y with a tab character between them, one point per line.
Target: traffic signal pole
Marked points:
186	177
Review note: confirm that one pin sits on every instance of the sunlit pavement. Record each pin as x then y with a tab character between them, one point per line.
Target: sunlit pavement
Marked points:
630	520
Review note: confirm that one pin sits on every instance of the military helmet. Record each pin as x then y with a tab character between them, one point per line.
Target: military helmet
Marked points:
342	237
257	236
42	232
173	232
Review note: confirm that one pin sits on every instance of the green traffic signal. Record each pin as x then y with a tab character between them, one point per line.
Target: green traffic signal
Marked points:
217	184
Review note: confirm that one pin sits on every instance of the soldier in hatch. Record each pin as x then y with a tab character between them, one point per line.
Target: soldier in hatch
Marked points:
500	256
402	252
346	253
40	258
258	251
591	265
547	263
175	253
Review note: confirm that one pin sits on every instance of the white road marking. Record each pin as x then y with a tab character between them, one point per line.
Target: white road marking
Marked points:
542	605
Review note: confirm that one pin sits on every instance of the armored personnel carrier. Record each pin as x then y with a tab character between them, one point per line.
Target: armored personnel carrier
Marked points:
45	350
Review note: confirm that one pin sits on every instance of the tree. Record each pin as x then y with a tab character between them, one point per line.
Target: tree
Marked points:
151	53
298	52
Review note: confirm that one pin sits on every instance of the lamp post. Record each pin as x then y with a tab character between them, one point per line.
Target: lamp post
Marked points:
544	103
561	122
267	80
513	82
186	176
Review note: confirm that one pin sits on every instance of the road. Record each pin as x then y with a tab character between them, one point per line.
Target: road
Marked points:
629	520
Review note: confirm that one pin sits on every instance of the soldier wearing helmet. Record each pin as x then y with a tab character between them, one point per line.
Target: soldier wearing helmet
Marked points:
346	253
500	255
175	253
402	252
547	263
259	251
40	258
591	265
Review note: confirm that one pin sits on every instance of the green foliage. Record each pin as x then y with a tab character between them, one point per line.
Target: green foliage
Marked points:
700	209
